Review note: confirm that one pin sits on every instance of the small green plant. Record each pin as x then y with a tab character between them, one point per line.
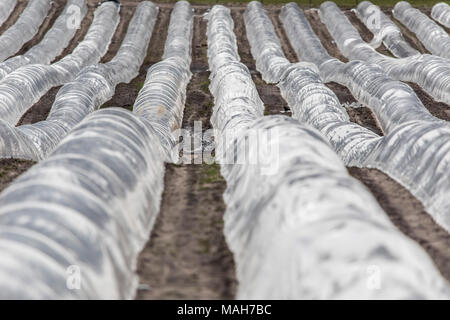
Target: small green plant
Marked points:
210	173
204	86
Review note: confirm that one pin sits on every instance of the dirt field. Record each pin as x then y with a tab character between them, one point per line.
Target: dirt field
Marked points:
187	256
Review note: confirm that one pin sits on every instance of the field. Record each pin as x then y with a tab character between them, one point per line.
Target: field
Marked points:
187	256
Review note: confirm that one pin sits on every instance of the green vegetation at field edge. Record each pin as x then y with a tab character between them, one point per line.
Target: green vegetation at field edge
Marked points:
316	3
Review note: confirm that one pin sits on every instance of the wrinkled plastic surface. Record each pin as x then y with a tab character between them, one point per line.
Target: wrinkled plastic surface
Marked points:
92	203
384	30
308	218
310	231
412	135
162	97
54	42
236	99
6	8
316	52
441	13
432	36
25	28
23	87
92	87
430	72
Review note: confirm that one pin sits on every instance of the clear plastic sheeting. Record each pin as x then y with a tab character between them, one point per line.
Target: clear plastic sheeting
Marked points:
236	101
304	202
441	13
415	149
54	41
432	36
90	206
161	99
384	30
312	102
25	27
6	8
268	46
72	226
93	86
295	23
430	72
23	87
310	231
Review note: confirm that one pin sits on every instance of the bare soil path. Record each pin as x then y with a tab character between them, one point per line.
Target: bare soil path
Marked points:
186	256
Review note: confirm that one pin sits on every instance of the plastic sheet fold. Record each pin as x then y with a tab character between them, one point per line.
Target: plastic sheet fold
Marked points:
296	212
432	36
412	135
441	13
87	92
384	30
162	97
25	28
6	8
23	87
54	42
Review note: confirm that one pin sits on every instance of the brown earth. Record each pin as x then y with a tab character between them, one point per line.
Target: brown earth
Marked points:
366	35
126	12
126	93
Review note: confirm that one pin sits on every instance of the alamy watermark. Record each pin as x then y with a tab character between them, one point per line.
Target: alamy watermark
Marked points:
74	17
251	147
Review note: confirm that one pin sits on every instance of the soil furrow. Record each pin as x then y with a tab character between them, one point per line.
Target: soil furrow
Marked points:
54	12
187	256
325	37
